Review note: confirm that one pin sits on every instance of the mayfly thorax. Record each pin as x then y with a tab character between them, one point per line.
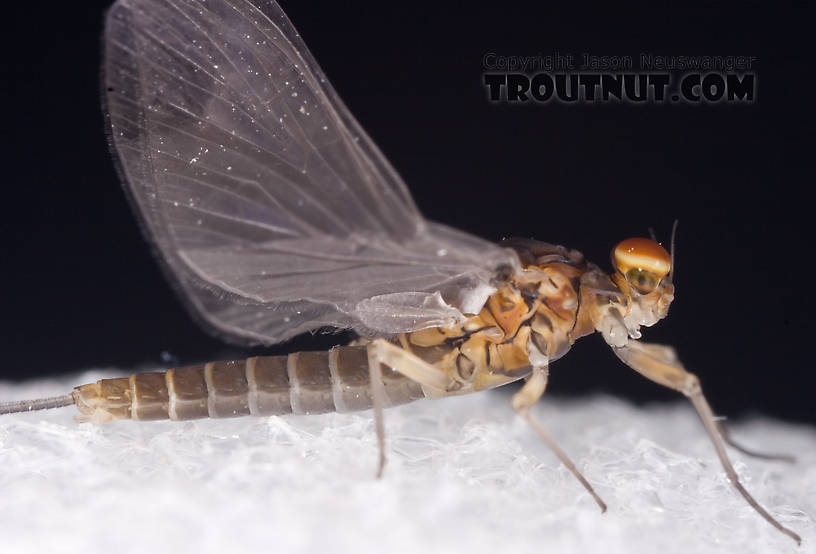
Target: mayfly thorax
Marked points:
275	214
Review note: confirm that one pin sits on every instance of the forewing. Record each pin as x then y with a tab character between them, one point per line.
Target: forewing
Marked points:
271	207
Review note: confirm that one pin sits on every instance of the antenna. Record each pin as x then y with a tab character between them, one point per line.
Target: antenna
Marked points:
671	250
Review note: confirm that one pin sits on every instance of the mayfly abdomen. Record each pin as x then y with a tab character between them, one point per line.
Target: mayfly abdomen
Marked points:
299	383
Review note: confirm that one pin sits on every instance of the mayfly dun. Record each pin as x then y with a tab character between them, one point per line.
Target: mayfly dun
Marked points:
275	214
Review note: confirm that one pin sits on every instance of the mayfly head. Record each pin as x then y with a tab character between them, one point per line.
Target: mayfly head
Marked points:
644	275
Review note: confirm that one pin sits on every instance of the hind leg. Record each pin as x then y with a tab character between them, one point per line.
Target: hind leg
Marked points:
381	352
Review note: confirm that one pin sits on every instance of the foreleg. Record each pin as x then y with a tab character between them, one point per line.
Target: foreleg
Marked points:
659	363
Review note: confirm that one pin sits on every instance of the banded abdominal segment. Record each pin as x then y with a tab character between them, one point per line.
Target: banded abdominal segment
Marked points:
300	383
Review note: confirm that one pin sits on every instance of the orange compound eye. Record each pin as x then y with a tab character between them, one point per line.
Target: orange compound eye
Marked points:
642	255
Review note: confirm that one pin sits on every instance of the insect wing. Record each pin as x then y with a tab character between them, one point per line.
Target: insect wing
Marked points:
273	210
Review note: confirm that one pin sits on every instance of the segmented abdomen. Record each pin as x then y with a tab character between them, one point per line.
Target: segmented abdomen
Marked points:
300	383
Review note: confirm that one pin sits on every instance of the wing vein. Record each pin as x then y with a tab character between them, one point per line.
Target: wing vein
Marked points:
260	100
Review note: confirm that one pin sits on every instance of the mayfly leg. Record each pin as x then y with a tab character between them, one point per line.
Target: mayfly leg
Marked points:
524	400
382	352
726	435
659	363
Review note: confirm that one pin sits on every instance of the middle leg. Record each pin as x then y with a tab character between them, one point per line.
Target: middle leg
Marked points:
524	400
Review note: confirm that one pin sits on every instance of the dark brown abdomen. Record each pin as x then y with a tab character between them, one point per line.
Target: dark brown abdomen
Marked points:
300	383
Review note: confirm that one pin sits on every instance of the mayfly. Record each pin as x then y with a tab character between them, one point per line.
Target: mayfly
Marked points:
275	214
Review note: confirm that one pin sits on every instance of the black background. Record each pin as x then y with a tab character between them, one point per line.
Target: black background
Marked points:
80	288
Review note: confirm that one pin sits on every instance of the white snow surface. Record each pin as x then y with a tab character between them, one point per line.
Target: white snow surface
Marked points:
464	475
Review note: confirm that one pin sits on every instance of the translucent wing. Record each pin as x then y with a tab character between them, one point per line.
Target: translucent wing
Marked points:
272	209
